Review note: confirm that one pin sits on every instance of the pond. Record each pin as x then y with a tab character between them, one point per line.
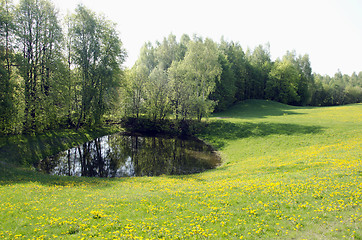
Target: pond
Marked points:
124	155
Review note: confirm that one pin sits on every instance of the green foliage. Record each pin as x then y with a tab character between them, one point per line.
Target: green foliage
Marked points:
41	88
202	72
54	77
260	66
282	84
39	37
182	92
169	127
305	86
158	94
288	173
25	150
173	78
98	55
169	51
239	67
134	89
225	89
337	90
8	110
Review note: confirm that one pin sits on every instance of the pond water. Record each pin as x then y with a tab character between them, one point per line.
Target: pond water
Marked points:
123	155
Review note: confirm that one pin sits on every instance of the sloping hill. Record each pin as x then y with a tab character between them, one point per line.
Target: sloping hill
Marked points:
257	109
288	173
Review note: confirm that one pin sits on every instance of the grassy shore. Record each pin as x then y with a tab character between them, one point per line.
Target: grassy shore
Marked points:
288	173
24	150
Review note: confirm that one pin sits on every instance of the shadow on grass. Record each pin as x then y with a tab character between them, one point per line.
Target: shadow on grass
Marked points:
10	174
18	153
27	150
259	109
218	132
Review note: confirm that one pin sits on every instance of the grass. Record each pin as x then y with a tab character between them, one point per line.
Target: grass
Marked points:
29	149
288	173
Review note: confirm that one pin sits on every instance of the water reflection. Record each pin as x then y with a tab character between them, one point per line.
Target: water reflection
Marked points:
122	155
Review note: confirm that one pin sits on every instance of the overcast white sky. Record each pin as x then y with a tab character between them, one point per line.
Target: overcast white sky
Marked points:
330	31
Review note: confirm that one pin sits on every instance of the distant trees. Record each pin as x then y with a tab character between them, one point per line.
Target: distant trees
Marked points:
174	78
225	88
260	66
193	77
54	75
337	90
202	72
282	85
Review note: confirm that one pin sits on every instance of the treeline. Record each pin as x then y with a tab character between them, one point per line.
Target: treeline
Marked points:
69	74
173	78
337	90
54	76
190	78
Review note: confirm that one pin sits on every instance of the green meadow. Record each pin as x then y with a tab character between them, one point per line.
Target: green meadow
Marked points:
287	173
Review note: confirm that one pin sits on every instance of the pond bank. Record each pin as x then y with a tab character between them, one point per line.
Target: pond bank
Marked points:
26	150
165	127
130	155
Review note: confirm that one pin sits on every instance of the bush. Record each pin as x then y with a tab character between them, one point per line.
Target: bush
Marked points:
169	127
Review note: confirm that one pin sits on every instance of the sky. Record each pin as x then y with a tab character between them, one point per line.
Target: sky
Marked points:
329	31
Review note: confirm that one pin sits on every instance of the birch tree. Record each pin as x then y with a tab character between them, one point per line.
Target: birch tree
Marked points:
203	70
39	38
97	55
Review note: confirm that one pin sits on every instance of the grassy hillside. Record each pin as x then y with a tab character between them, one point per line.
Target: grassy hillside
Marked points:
288	173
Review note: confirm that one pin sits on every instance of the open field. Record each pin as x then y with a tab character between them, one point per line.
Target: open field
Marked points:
288	173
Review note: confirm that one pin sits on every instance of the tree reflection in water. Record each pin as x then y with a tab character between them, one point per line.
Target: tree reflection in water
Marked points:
122	155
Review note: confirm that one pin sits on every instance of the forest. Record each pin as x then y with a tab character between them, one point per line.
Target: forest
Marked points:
68	73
